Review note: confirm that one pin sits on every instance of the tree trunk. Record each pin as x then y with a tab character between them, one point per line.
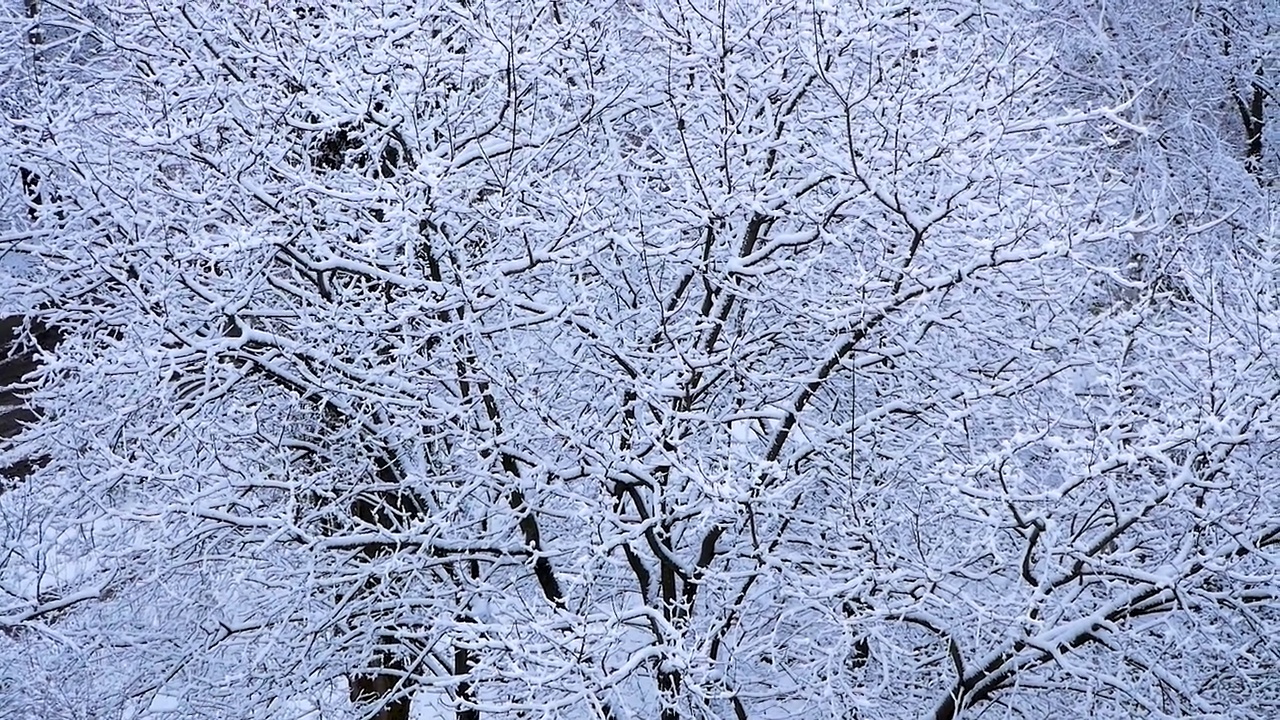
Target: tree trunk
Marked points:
1254	118
463	660
375	687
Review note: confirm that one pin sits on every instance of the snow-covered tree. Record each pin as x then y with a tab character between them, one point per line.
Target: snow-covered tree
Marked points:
639	359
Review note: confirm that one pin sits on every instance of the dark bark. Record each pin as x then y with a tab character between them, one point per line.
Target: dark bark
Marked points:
31	188
383	685
389	507
668	691
21	344
1253	115
1251	106
463	661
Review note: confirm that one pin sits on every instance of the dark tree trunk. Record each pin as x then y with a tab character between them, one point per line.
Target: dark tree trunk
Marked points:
677	614
1251	106
463	661
376	687
20	347
1252	114
668	691
389	685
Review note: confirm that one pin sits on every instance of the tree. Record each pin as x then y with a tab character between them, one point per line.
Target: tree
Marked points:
677	360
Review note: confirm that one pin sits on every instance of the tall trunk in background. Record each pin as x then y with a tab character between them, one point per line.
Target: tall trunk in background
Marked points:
386	683
1251	105
1252	114
19	357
